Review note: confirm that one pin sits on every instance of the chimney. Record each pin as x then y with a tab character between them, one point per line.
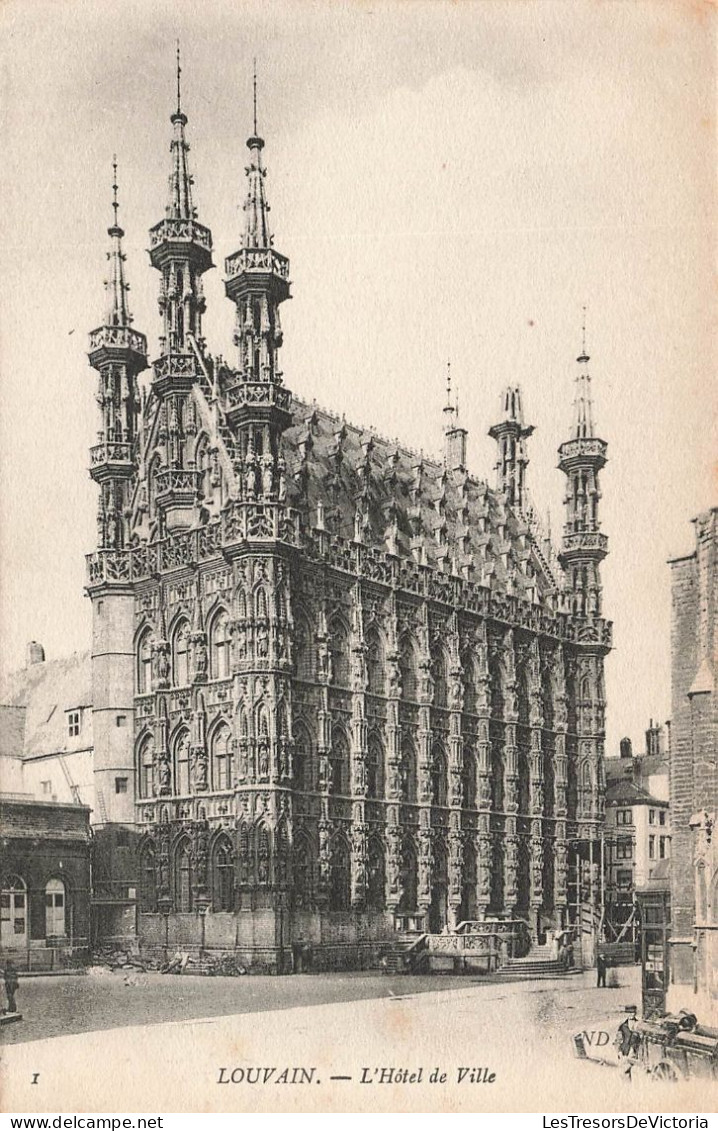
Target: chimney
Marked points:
35	654
626	748
653	738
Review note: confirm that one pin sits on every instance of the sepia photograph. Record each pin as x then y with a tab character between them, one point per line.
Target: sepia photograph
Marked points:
359	557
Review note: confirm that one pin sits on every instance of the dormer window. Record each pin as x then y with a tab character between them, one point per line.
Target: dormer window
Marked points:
74	722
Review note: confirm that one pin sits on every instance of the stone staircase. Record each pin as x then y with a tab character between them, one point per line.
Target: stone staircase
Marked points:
405	956
540	962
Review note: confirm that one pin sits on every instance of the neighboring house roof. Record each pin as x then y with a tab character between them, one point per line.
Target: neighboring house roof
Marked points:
48	690
627	793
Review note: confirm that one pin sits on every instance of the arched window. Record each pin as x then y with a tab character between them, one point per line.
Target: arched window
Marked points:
144	664
572	787
263	855
375	768
408	667
376	876
180	654
586	787
244	858
439	669
13	913
219	643
438	777
147	767
55	909
339	761
524	782
303	649
471	681
261	604
302	873
221	758
148	879
375	665
241	601
409	878
469	778
497	779
339	646
181	761
303	760
183	879
339	876
203	464
407	771
222	875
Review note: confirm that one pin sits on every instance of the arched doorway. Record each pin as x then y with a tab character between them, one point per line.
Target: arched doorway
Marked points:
438	910
13	913
55	910
376	879
409	878
468	884
183	879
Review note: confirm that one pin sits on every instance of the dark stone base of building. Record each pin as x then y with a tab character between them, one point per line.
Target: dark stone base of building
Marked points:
264	940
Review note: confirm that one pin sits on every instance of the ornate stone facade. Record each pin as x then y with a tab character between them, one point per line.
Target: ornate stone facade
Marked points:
367	694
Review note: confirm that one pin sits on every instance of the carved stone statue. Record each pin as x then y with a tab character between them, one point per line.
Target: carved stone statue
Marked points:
263	759
200	656
164	777
199	769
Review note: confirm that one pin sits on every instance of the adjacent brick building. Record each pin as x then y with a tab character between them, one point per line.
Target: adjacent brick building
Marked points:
46	794
693	772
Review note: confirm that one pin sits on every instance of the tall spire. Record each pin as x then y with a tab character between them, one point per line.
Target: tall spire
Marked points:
454	434
256	208
180	247
118	313
583	405
257	283
449	409
118	353
254	88
582	458
179	206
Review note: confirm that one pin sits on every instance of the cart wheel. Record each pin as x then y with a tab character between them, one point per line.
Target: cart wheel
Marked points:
665	1071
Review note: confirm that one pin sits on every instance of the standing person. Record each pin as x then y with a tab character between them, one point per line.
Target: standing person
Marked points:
11	985
569	952
600	971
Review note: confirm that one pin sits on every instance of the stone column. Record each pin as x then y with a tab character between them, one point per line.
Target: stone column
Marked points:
393	761
560	777
426	694
358	752
456	705
536	782
324	744
483	757
511	772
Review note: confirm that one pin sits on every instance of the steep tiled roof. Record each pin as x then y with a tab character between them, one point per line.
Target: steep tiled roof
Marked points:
626	793
47	690
409	504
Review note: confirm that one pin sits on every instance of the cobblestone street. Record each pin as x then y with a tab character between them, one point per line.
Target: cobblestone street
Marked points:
176	1035
56	1006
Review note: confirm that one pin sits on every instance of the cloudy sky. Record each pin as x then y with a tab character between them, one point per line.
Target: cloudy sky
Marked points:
450	180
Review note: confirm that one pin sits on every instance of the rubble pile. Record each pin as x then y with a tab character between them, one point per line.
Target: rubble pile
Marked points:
109	960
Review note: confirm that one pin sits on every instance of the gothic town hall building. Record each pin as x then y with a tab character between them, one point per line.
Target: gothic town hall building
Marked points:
340	690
